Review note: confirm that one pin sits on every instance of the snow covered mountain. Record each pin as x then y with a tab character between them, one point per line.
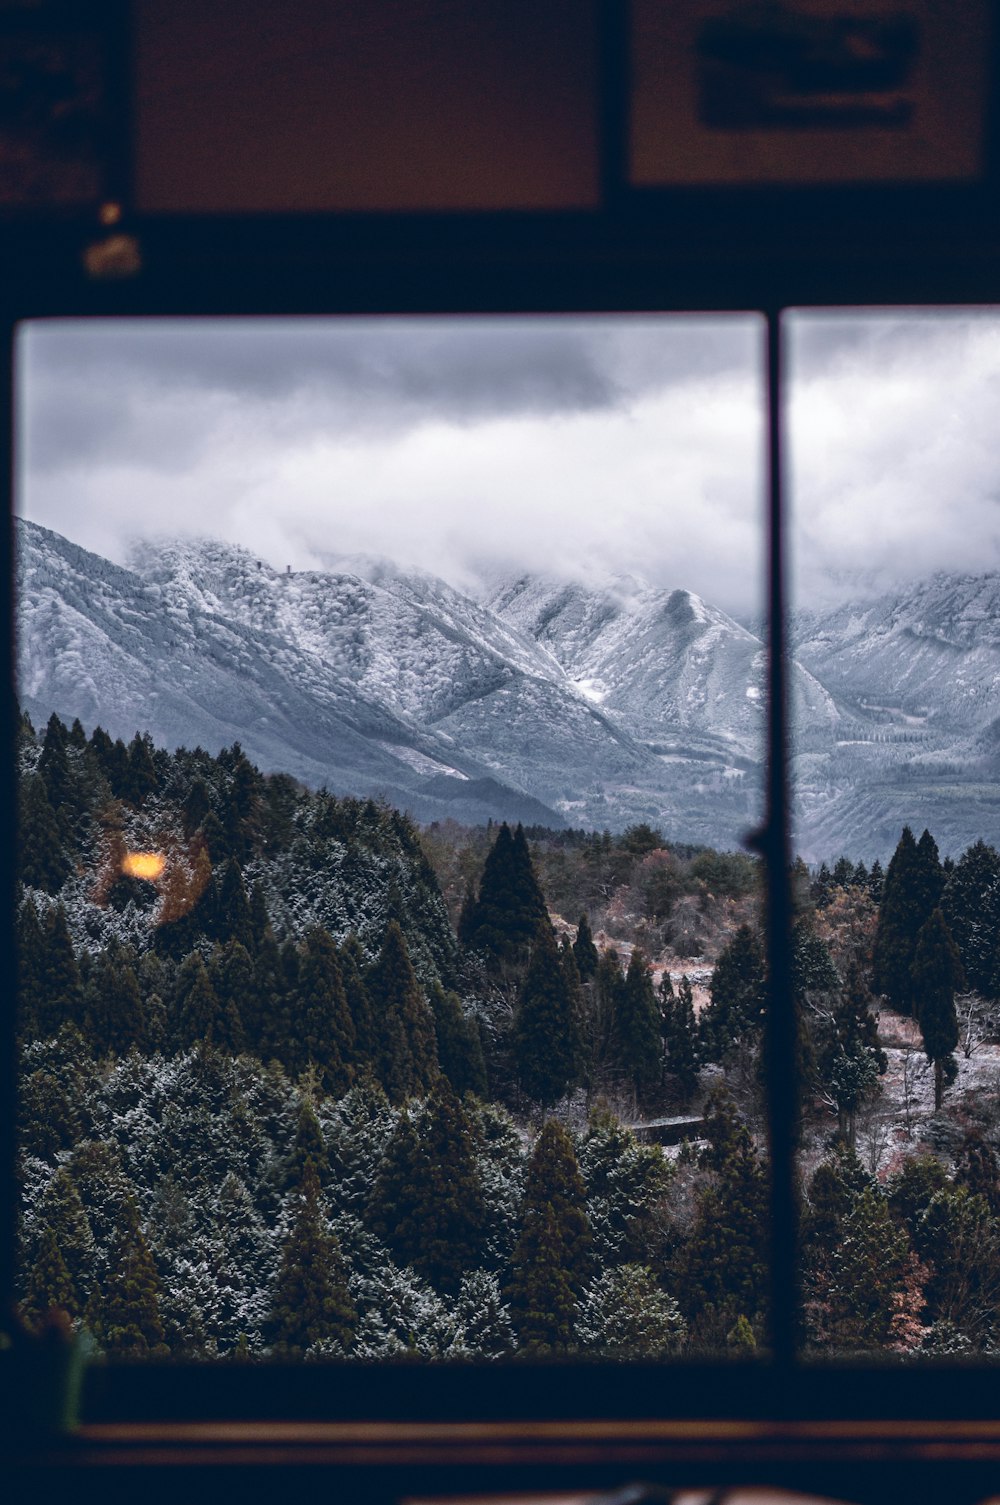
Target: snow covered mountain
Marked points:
540	701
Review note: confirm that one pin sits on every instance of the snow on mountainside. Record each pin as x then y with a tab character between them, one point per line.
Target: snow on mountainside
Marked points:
541	701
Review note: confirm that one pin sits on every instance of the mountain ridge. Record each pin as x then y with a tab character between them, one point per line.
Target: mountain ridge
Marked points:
543	700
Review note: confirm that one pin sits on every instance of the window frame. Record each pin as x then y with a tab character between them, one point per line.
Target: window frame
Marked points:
458	1427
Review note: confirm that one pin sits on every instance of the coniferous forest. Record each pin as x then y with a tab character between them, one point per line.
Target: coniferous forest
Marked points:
299	1079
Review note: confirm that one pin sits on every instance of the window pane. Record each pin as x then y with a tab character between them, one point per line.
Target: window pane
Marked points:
393	702
896	633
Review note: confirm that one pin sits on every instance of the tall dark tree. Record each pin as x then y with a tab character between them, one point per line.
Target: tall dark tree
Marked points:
352	970
722	1272
428	1203
552	1260
202	1016
546	1039
403	1020
141	778
510	904
459	1047
231	918
738	993
639	1026
584	950
113	1004
962	903
312	1304
937	976
912	888
54	769
43	861
680	1033
324	1029
125	1315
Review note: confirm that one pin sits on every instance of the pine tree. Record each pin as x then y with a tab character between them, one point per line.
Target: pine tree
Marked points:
912	889
231	919
680	1033
62	1214
546	1040
43	861
48	1286
405	1025
312	1303
962	904
551	1263
459	1048
584	950
738	993
352	969
723	1268
141	778
639	1037
324	1032
113	1006
125	1316
510	904
428	1203
868	1269
937	976
235	979
202	1017
54	769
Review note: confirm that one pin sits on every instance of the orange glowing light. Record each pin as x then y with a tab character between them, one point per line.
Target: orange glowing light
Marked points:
143	864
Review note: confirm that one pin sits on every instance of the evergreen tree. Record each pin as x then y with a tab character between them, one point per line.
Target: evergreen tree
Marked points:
584	950
428	1202
54	770
605	1003
405	1025
324	1029
639	1041
125	1317
459	1048
937	976
723	1268
62	1214
552	1259
510	904
546	1040
113	1005
48	1286
236	983
625	1315
231	919
868	1268
912	889
680	1033
876	881
141	778
352	970
312	1304
738	994
43	861
202	1016
962	904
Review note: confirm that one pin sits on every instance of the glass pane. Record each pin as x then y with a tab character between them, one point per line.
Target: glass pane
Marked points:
895	551
393	703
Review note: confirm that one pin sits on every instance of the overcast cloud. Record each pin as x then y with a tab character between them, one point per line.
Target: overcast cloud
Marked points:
567	446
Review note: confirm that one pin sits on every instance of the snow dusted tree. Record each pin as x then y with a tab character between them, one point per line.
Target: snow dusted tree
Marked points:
547	1044
626	1315
552	1260
312	1304
428	1200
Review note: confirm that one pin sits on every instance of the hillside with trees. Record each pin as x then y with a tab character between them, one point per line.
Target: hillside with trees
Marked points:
299	1079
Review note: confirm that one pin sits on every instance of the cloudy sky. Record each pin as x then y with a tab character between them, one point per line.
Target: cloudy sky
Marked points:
578	447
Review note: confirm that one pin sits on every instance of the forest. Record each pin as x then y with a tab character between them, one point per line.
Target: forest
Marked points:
300	1079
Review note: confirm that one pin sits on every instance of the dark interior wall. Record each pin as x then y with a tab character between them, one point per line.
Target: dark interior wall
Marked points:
245	105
